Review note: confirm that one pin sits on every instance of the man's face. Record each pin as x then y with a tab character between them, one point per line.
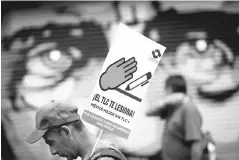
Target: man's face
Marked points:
61	145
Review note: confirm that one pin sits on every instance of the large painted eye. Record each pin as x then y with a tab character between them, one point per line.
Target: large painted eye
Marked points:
154	35
48	59
201	45
57	59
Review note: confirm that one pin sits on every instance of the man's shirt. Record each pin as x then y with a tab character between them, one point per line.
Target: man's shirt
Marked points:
181	127
105	151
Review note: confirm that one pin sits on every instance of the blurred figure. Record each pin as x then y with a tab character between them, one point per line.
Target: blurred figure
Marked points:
62	129
182	138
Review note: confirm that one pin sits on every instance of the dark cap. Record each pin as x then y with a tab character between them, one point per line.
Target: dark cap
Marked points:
51	115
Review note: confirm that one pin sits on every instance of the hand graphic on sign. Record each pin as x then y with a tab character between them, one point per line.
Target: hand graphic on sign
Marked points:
118	73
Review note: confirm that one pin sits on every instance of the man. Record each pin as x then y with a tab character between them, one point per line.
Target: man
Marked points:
182	135
60	126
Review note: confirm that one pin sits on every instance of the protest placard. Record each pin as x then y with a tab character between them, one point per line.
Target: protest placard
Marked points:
123	82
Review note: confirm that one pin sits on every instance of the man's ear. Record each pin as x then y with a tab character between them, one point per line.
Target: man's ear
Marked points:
66	132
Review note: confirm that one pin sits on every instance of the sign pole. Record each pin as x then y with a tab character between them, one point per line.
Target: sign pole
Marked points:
97	140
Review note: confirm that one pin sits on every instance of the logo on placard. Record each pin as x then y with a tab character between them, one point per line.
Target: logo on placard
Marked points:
156	53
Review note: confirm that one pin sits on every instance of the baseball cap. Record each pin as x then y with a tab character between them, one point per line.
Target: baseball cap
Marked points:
53	114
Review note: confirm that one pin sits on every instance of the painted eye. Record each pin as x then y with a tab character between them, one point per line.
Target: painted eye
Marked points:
201	45
154	35
48	59
57	59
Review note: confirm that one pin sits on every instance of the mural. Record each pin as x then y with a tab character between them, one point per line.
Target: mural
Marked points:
196	42
62	60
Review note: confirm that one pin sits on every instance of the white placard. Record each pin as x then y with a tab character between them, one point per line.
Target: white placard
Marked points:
123	82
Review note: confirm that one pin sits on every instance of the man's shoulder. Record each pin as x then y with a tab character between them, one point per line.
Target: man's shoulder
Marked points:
106	151
189	104
106	158
191	111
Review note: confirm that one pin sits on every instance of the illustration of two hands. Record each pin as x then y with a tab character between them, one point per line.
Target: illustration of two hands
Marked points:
118	73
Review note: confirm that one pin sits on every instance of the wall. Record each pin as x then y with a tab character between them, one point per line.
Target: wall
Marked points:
18	70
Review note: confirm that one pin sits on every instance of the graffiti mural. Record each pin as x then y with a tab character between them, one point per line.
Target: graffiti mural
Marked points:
58	59
199	52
